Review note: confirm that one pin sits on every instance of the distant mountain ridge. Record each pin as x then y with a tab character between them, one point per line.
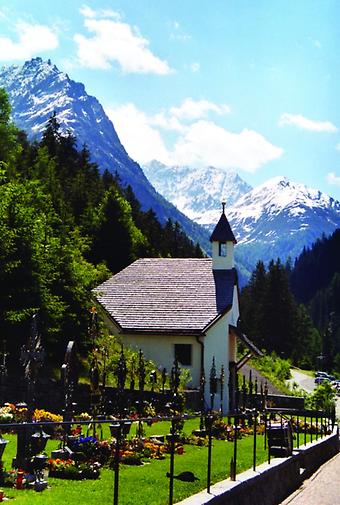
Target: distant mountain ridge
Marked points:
280	217
275	219
38	88
196	191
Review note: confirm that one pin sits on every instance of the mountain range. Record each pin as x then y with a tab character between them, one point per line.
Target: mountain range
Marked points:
196	191
276	219
38	88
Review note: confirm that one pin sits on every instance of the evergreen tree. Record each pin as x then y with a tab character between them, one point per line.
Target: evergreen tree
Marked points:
252	301
307	340
116	238
51	136
9	146
273	319
278	307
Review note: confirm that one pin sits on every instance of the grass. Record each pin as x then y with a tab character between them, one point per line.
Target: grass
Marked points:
276	370
147	484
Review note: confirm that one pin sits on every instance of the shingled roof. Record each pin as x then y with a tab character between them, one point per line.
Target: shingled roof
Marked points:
157	295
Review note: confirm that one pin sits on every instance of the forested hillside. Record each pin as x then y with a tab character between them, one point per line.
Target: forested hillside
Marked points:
296	311
315	281
64	228
273	318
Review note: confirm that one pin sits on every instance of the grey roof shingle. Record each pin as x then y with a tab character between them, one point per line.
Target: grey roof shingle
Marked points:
167	295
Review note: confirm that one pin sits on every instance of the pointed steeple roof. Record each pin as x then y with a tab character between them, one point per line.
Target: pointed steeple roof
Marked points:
223	231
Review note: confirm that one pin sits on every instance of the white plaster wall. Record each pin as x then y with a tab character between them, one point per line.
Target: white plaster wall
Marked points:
217	346
232	347
161	350
235	311
223	262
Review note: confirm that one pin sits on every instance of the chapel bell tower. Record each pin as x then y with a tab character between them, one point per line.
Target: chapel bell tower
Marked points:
223	242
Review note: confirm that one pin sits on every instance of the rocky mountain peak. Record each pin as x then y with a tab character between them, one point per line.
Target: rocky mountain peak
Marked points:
37	89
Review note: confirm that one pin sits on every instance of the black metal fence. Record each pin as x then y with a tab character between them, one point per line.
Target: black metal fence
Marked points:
278	426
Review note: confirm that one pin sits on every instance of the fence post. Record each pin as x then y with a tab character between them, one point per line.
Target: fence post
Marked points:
311	428
317	426
118	433
172	439
297	431
333	417
208	424
305	431
234	460
254	447
268	443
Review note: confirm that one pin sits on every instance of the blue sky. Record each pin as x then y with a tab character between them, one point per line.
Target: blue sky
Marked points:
242	84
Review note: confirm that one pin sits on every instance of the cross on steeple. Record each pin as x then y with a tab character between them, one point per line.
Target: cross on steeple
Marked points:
223	207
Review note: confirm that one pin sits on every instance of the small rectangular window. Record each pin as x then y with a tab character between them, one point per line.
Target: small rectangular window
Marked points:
183	354
222	249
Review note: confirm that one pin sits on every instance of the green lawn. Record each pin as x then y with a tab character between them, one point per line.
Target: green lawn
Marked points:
144	485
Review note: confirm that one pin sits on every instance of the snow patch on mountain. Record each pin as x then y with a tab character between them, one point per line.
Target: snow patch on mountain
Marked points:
38	89
196	191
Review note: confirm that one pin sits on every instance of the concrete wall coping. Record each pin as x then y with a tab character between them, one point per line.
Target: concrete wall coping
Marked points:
226	491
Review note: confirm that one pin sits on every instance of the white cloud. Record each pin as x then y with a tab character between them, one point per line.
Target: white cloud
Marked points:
195	109
201	143
115	41
333	179
143	142
32	39
306	124
87	12
163	120
206	143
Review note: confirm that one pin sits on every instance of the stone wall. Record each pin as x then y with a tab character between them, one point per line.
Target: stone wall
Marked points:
271	483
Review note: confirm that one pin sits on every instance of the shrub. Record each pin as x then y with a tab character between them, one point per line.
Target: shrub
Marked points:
322	398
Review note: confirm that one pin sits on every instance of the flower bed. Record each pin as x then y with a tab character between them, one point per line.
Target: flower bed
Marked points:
69	469
11	413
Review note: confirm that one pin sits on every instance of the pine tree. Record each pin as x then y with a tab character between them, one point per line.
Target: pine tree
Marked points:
9	146
252	301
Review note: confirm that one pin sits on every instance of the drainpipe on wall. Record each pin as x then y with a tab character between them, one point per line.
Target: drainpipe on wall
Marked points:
202	353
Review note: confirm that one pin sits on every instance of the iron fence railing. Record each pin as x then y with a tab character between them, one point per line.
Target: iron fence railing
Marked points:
284	423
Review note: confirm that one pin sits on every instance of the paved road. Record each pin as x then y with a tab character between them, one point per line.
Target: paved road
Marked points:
302	380
321	489
307	383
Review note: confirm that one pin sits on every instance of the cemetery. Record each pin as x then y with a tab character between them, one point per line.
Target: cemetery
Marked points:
139	436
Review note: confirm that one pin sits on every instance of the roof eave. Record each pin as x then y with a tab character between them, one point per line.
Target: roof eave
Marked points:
246	340
184	332
217	318
109	316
